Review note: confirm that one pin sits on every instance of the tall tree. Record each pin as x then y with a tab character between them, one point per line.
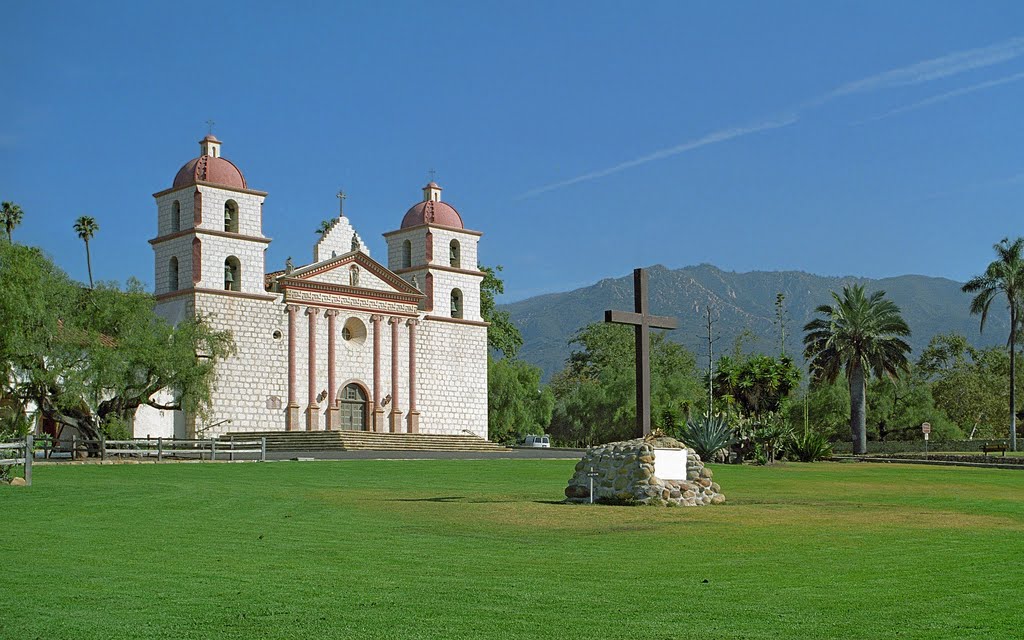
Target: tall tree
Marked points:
10	217
502	335
1004	277
86	228
860	335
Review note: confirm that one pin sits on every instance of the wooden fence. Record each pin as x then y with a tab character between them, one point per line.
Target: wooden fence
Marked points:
159	448
23	452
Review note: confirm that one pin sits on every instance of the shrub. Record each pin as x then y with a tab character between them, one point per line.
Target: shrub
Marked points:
809	447
708	435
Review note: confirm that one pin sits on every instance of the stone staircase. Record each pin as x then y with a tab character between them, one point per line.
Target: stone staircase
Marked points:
365	441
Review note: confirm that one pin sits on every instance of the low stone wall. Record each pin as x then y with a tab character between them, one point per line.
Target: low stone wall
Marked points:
626	474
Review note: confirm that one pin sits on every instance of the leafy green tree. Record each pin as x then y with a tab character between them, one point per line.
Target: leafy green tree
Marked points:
968	384
898	406
89	358
860	335
757	384
325	226
86	227
517	403
10	216
596	392
1003	278
827	404
502	335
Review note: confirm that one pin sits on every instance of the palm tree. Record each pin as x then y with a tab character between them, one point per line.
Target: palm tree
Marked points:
1004	277
325	226
86	228
10	216
861	335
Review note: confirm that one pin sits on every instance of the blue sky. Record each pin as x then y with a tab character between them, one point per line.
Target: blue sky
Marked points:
583	139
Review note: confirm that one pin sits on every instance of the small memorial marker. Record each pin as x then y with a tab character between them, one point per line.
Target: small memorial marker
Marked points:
926	428
592	474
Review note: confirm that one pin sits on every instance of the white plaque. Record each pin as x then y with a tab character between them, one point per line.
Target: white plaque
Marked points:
670	464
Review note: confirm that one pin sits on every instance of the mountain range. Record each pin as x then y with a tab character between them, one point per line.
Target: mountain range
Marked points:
743	307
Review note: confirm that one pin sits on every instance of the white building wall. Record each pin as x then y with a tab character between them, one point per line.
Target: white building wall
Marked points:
451	374
164	207
417	238
248	381
337	240
180	248
251	256
444	282
467	248
250	210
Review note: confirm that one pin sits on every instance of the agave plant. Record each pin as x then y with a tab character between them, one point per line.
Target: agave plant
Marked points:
708	435
809	447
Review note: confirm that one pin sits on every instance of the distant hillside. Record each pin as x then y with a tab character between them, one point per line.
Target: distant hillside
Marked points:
745	301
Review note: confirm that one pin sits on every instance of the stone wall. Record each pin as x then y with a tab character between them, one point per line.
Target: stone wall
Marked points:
627	475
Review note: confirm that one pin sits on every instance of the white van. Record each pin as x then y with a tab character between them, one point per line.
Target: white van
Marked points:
537	441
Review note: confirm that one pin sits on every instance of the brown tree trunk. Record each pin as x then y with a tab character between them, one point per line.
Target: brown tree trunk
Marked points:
858	409
1013	377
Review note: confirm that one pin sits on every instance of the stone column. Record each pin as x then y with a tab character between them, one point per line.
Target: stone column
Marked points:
378	411
313	411
413	419
333	413
292	415
396	412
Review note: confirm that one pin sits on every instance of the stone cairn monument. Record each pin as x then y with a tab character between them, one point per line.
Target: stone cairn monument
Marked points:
656	470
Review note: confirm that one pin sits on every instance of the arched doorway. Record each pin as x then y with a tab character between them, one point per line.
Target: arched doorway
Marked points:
353	412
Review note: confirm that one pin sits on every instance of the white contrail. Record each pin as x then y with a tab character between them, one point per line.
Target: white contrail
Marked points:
711	138
934	69
917	73
942	97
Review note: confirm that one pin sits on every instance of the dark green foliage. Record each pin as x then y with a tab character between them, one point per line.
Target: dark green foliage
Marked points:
708	435
898	406
757	384
809	447
517	403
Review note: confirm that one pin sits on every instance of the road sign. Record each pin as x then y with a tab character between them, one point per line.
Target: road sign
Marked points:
926	428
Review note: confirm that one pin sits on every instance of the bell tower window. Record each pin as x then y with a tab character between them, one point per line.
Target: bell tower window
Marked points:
454	255
232	274
231	216
175	217
456	303
172	273
406	254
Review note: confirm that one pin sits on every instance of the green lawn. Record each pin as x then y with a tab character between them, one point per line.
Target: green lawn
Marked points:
482	549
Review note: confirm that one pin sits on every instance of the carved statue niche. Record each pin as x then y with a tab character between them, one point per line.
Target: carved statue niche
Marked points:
353	276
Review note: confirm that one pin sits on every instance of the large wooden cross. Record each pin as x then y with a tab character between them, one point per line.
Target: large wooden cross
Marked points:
642	321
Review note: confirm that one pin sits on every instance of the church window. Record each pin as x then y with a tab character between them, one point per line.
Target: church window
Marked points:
455	259
406	254
172	270
231	216
456	303
175	217
353	332
232	274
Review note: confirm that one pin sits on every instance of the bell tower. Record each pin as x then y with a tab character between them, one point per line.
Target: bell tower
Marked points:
209	230
434	252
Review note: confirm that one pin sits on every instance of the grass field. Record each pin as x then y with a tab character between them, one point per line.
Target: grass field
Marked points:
482	549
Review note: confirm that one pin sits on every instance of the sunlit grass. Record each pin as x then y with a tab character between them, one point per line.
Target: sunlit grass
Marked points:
470	549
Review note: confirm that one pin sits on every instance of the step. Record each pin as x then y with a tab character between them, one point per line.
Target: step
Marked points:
367	441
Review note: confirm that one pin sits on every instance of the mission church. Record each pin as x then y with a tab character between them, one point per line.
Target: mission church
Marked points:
343	342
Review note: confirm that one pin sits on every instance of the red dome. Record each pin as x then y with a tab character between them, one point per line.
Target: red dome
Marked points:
218	171
431	212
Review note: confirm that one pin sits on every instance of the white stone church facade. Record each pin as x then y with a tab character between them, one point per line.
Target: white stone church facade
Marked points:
343	342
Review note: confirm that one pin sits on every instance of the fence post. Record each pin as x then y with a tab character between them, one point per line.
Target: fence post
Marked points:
29	454
213	449
263	449
159	449
103	447
74	447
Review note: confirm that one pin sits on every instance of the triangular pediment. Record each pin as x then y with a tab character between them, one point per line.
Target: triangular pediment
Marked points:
337	271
